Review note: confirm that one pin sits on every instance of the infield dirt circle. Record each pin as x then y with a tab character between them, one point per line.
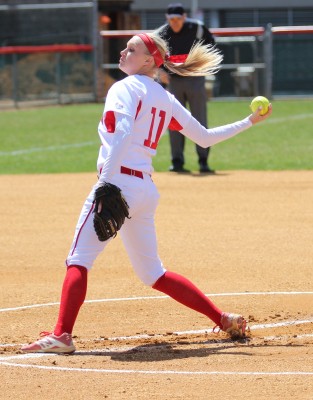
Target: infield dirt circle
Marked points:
245	238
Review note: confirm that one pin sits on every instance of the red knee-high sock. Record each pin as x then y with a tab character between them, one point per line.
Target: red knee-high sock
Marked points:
186	293
73	295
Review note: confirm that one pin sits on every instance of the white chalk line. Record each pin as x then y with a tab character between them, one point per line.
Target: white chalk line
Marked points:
24	356
160	372
210	330
119	348
290	118
5	360
194	332
158	298
49	148
137	337
91	143
282	324
183	333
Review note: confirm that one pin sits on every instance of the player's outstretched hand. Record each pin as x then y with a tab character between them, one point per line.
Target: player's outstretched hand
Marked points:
256	117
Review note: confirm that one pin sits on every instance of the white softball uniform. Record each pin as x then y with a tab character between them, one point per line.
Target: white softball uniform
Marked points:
137	113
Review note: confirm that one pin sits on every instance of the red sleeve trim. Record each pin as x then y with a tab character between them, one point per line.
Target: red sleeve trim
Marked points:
138	109
109	121
175	125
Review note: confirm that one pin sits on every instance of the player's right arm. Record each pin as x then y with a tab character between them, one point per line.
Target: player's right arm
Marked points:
115	128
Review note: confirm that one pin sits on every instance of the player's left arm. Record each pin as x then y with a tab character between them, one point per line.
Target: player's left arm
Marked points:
192	129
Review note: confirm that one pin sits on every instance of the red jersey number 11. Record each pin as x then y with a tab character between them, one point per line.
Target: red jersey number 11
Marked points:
148	142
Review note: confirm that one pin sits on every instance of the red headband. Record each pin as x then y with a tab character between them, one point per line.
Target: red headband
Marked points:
153	50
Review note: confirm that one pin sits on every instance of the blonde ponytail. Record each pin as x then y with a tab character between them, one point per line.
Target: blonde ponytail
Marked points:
203	59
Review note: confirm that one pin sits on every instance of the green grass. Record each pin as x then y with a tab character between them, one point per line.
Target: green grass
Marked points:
65	139
48	140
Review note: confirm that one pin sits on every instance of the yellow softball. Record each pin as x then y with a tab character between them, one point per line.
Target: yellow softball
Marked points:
260	101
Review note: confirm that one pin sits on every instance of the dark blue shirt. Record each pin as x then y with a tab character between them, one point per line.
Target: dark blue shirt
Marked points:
182	41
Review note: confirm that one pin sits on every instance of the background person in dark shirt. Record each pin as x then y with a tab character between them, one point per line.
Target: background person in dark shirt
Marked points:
181	33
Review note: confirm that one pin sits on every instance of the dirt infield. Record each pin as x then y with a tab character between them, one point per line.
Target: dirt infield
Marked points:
245	238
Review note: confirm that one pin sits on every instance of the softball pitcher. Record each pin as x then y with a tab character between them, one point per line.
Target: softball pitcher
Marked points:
137	113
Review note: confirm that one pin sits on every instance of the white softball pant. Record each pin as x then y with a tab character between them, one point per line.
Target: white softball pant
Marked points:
138	233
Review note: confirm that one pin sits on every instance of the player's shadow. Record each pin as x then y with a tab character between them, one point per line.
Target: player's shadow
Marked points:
165	352
168	351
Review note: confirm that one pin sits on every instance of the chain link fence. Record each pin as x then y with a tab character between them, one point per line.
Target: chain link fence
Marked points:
48	53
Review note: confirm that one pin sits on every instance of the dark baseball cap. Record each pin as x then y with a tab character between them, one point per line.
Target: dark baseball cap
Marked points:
175	10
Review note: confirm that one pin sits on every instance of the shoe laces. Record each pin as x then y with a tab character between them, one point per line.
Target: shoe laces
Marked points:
216	329
44	333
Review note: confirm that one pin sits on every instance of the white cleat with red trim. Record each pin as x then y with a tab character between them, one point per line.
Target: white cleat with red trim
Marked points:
51	343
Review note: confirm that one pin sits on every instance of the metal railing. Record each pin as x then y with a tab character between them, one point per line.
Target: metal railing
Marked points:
17	82
241	72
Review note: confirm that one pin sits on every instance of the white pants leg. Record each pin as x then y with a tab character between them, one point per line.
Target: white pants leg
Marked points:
85	246
138	233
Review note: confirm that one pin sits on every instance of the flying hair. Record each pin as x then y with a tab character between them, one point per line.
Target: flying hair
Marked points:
203	59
